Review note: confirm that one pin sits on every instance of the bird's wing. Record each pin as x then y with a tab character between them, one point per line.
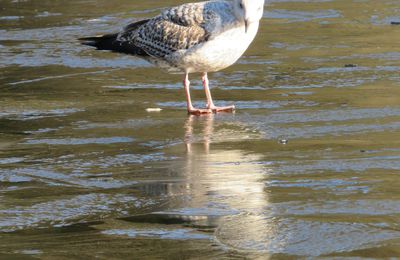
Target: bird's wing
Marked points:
178	28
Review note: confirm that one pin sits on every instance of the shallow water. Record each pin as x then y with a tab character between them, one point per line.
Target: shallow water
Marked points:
307	166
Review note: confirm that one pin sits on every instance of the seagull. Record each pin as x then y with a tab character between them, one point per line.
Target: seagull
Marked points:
196	37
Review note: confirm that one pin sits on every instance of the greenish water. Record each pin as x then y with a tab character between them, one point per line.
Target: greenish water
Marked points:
86	172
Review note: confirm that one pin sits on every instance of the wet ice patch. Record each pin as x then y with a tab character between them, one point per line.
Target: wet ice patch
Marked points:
147	86
340	165
329	115
337	185
37	114
378	20
131	123
298	237
271	104
344	207
64	212
248	61
53	178
206	211
81	141
385	56
242	88
301	16
174	234
42	130
289	47
11	160
46	57
85	163
47	14
30	252
82	171
10	18
9	176
355	69
40	51
328	122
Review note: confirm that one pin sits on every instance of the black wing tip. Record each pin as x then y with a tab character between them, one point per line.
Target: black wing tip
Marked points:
88	38
99	37
88	41
109	42
100	42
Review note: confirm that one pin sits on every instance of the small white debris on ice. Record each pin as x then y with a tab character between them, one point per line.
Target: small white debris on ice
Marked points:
283	141
153	109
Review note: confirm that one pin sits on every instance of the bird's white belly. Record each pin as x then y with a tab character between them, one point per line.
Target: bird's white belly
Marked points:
220	52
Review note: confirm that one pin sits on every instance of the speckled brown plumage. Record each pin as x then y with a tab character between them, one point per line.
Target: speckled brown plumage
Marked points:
178	28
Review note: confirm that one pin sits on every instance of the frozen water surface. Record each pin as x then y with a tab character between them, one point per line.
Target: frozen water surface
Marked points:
308	166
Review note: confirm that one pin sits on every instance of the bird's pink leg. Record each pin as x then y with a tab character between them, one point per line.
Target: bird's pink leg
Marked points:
190	108
210	103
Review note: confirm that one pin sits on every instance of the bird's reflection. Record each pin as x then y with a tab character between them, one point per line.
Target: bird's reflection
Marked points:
221	186
227	182
226	175
208	121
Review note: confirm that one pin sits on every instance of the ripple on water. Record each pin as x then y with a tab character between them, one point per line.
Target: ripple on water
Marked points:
208	211
47	14
175	234
355	69
11	160
30	252
67	211
46	57
130	123
269	124
379	20
343	207
385	56
84	163
301	16
299	237
50	48
149	86
11	18
52	178
338	186
327	130
82	141
38	114
290	47
340	165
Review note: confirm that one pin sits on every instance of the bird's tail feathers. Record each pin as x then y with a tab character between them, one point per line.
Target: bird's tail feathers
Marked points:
102	42
110	42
